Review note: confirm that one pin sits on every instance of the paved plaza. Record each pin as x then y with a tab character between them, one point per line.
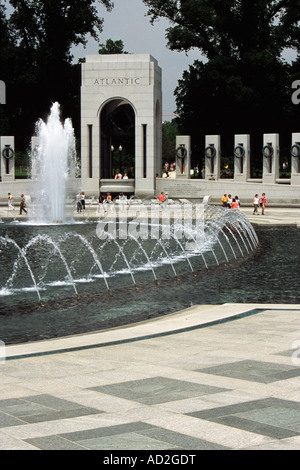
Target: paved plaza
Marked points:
210	377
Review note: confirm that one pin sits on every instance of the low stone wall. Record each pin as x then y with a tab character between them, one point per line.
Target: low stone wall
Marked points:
277	194
24	186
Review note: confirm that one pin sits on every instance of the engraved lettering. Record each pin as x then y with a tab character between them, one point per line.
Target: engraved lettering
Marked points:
117	81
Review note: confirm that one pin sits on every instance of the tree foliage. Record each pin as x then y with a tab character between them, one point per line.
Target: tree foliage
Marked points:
241	84
37	59
170	130
112	47
229	27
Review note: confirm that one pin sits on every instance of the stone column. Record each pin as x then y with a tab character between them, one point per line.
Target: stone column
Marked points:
241	153
270	155
2	92
183	156
7	158
212	157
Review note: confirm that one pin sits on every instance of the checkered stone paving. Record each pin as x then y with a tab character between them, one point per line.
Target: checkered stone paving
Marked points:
279	419
157	390
132	436
256	371
38	409
205	384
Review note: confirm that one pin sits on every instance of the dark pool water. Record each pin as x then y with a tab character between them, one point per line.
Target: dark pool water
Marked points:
270	275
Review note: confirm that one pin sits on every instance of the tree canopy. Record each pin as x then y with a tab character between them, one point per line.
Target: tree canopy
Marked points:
242	83
231	27
112	47
36	58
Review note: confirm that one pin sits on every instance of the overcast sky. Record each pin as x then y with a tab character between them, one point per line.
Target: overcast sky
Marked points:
127	22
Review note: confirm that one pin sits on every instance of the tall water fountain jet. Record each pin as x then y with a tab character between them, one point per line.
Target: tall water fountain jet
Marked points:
53	167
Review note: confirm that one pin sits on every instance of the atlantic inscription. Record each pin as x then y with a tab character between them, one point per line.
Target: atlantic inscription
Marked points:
117	81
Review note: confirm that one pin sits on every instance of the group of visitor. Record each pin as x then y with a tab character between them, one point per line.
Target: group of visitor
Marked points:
234	203
81	202
231	202
22	203
163	197
118	176
106	203
259	202
168	167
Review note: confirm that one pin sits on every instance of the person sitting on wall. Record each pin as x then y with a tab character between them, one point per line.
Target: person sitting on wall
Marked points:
161	197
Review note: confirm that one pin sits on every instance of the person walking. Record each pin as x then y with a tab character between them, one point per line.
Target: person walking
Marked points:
263	203
82	200
255	204
23	204
10	204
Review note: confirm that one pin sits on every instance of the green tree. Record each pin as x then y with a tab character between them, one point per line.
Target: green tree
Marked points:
44	33
7	48
169	132
229	27
243	85
112	47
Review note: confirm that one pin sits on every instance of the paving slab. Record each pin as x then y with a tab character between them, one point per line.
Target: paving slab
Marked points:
144	387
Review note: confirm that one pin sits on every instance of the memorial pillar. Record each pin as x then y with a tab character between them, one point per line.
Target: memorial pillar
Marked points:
183	156
270	153
212	157
241	157
7	158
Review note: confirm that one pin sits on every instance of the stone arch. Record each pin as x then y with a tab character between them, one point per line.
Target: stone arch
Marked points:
117	118
112	85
